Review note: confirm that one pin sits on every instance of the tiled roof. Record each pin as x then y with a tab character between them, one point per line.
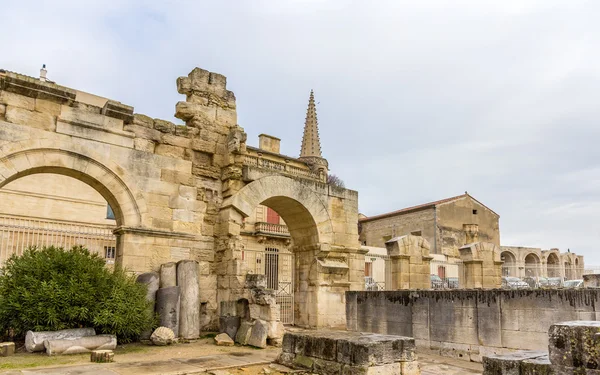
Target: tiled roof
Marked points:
423	207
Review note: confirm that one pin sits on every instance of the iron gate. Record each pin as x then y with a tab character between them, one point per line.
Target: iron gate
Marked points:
278	267
18	233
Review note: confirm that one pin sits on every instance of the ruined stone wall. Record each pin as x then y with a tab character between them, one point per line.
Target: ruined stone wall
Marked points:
377	231
468	324
451	218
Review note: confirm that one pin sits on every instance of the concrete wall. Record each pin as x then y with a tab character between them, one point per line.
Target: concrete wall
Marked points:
468	324
377	232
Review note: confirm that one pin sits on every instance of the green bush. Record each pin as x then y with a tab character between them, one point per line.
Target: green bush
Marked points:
51	288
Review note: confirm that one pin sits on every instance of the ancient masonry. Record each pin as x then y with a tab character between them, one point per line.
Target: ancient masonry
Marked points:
181	192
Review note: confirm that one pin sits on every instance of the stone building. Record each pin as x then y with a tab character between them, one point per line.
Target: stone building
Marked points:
534	262
446	224
184	192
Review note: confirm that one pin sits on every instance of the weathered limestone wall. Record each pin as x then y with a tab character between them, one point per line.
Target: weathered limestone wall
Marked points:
468	324
181	192
451	218
378	231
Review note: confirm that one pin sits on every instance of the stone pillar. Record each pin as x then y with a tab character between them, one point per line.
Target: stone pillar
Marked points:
168	275
482	265
167	307
151	281
189	309
410	262
574	347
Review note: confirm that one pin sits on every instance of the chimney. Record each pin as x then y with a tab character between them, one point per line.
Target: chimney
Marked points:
269	143
43	73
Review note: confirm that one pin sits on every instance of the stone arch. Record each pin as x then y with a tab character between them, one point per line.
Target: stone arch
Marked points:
105	177
532	265
312	233
509	268
302	210
553	268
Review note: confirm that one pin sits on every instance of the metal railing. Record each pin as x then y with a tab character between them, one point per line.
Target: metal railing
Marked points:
270	228
284	168
381	272
18	234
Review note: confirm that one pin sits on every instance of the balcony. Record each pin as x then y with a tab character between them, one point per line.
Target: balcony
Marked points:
257	167
268	229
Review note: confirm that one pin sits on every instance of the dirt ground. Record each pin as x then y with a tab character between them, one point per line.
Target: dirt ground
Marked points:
135	352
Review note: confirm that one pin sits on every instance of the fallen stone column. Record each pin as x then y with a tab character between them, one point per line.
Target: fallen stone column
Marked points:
34	341
151	280
189	309
168	275
167	307
80	345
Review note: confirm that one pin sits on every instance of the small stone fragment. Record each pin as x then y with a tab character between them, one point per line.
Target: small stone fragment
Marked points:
162	336
102	356
7	349
223	339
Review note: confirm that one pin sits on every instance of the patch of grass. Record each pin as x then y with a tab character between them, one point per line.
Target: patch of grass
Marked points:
29	360
133	348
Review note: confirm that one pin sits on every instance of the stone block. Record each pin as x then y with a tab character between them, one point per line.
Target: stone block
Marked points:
223	339
243	334
145	145
575	344
7	349
38	120
258	335
170	151
164	126
46	106
508	364
286	359
276	330
229	324
537	366
143	120
303	362
16	100
321	366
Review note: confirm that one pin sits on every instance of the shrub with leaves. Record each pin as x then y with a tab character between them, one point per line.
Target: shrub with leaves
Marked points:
51	288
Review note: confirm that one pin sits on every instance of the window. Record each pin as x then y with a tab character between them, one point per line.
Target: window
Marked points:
474	212
109	212
109	252
442	272
368	269
272	268
272	216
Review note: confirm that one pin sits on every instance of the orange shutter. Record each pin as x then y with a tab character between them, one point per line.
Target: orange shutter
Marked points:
272	216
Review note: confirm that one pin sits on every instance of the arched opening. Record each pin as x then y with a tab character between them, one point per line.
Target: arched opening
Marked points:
89	173
279	237
553	266
55	210
532	265
310	274
568	270
509	268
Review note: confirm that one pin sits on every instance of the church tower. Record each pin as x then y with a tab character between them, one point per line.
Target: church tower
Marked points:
310	152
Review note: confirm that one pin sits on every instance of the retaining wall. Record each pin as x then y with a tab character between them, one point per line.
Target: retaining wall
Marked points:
468	324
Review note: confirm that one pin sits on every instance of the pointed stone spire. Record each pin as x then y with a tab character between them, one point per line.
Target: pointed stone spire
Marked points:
310	152
311	145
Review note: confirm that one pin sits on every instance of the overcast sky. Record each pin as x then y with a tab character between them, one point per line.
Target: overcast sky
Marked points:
417	101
